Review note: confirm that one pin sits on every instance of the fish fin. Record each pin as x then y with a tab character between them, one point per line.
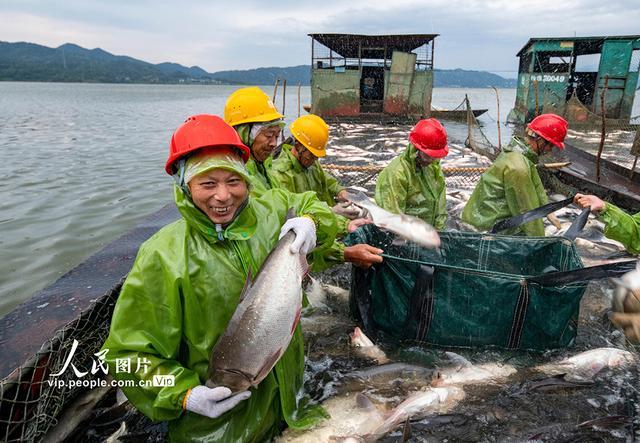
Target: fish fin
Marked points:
297	319
247	285
291	213
406	431
437	379
355	334
458	359
364	402
268	365
304	266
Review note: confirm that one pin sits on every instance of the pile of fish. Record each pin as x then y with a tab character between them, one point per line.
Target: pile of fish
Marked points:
586	393
355	416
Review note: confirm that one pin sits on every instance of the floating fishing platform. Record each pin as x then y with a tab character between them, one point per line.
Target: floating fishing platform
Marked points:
575	76
374	78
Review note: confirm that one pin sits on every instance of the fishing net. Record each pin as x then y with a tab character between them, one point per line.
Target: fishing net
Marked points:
357	152
29	404
54	346
475	290
476	138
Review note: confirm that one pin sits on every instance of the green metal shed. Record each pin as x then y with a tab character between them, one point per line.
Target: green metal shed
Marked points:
353	74
567	76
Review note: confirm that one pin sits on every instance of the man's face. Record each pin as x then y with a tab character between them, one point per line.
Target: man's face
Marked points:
538	144
304	156
218	193
423	159
265	142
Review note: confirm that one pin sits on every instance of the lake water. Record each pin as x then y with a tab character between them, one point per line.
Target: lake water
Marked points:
84	163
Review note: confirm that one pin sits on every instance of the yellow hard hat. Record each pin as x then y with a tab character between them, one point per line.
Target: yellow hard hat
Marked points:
249	105
312	132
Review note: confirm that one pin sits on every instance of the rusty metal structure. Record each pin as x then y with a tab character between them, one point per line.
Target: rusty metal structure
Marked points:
575	76
357	75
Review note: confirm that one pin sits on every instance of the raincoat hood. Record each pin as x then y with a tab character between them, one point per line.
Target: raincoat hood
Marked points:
509	187
204	162
519	145
411	155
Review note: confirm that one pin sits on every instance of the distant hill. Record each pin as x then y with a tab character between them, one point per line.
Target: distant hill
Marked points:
266	76
72	63
459	78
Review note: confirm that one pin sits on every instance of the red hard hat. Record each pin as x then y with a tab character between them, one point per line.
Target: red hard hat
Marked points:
551	127
200	131
430	137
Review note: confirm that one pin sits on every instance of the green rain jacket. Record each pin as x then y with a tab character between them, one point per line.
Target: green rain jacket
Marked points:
622	227
509	187
176	302
405	187
288	173
259	172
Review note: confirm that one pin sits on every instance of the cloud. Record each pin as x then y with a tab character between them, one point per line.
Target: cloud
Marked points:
246	33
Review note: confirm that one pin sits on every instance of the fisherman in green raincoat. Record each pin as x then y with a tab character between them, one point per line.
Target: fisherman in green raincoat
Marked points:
297	169
512	185
185	285
413	183
619	225
255	118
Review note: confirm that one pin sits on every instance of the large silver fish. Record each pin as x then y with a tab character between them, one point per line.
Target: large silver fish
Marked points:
432	400
262	325
355	419
406	226
586	365
464	372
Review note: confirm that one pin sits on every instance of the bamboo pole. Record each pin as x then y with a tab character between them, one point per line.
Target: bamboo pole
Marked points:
275	90
299	99
604	129
498	122
469	122
284	94
635	149
535	84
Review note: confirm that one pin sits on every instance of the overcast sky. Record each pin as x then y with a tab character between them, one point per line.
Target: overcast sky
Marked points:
241	34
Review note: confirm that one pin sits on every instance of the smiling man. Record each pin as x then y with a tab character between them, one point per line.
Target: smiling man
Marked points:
255	118
186	283
512	185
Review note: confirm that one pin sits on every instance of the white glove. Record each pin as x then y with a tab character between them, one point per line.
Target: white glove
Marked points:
305	230
213	402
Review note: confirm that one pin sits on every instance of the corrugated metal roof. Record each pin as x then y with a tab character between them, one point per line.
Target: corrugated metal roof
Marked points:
577	39
373	46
